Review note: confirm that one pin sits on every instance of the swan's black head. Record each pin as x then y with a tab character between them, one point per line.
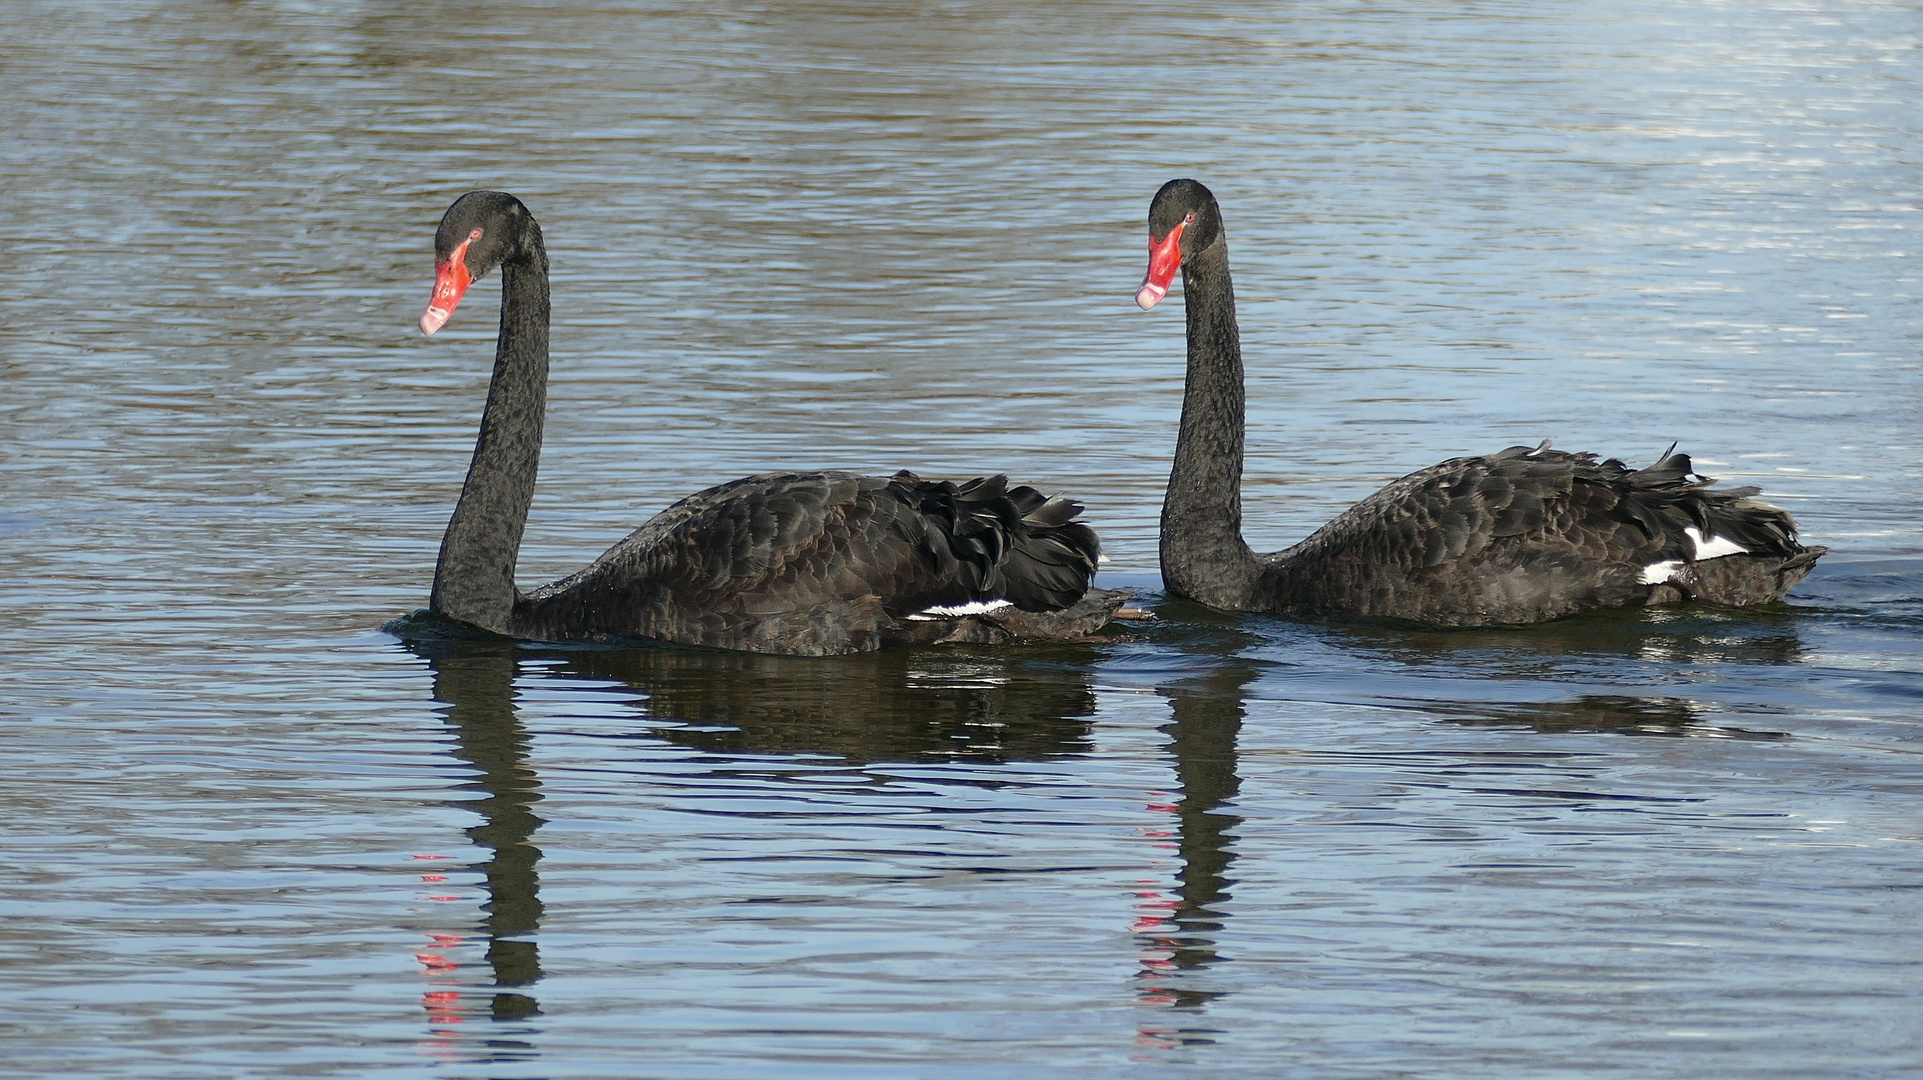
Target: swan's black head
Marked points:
482	230
1182	219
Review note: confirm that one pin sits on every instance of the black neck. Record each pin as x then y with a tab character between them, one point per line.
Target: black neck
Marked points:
1203	554
474	581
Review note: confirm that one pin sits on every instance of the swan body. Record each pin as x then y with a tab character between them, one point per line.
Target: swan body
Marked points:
1515	537
812	563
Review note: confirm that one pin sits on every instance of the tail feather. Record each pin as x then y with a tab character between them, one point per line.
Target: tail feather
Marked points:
1740	580
1050	567
1026	499
1053	512
984	488
994	541
1669	498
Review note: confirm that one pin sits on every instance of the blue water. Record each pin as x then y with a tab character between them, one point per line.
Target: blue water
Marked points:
252	833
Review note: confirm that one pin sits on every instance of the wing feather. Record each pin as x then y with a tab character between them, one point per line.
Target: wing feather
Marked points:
790	549
1517	536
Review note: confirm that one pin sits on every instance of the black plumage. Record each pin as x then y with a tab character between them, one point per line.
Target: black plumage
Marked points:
1515	537
801	563
826	562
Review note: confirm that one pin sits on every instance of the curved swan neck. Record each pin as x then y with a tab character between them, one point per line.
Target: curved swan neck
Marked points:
474	580
1203	553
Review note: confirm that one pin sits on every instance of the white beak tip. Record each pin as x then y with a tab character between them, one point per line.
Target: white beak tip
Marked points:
1149	295
433	319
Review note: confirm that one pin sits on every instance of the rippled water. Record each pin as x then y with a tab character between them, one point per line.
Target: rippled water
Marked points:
250	833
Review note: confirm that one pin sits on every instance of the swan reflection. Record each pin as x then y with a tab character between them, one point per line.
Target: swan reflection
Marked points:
474	681
1693	634
1621	714
896	705
956	703
1179	934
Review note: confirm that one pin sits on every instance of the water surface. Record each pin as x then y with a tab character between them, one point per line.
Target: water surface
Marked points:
250	833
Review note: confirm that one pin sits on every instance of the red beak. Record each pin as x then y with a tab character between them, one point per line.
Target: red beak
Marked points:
1164	259
451	280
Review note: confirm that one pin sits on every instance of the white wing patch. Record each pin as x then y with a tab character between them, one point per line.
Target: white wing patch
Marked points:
956	611
1658	573
1711	547
1714	547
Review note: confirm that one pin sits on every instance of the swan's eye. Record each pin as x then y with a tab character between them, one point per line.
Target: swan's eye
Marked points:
476	234
1189	220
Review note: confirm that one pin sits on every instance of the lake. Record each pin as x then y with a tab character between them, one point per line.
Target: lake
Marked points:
254	833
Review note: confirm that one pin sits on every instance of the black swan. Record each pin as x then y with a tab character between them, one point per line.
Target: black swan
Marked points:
1516	537
803	563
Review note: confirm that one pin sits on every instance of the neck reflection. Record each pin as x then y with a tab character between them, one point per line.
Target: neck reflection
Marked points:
1179	945
475	681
